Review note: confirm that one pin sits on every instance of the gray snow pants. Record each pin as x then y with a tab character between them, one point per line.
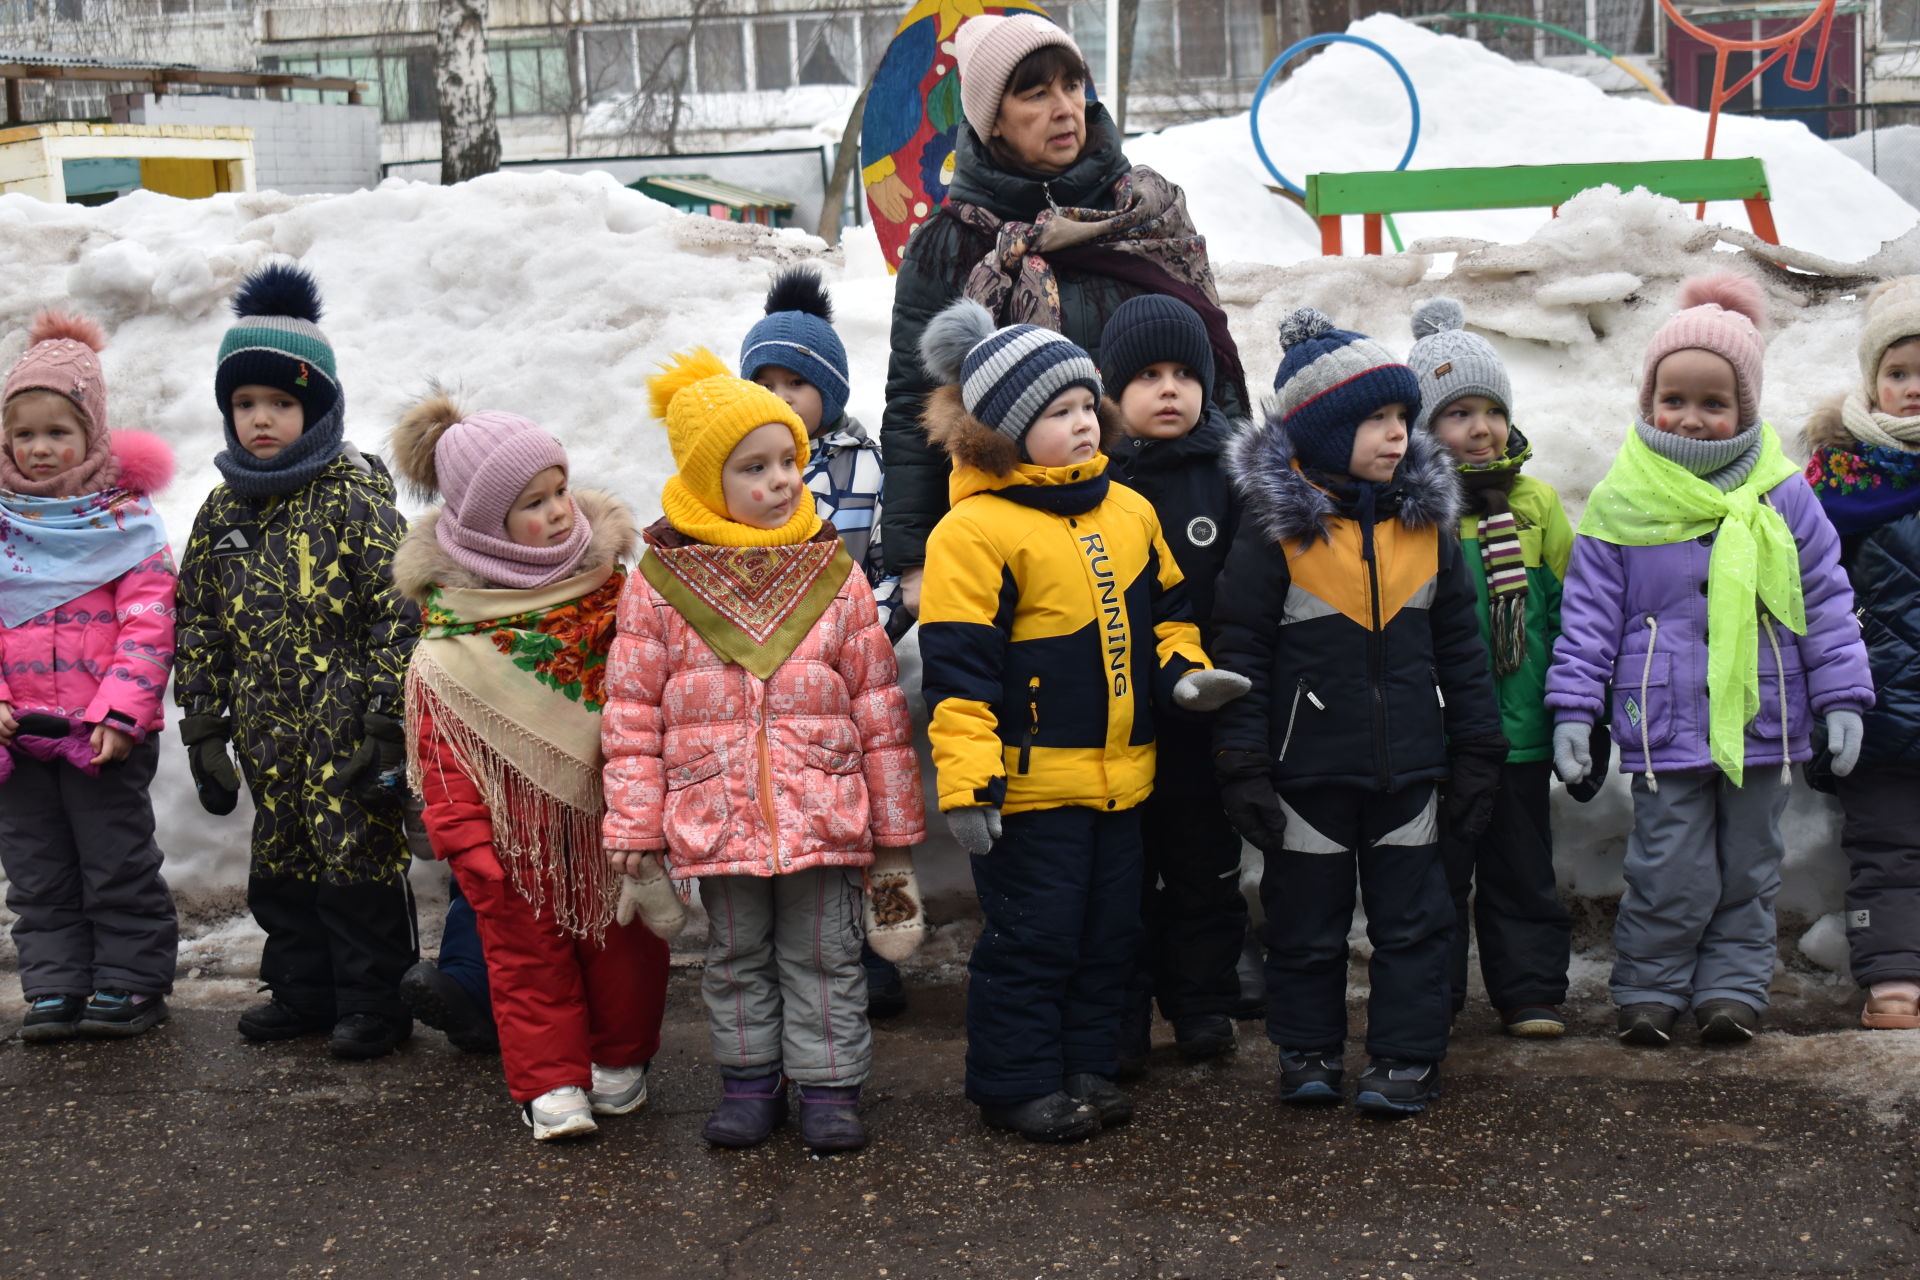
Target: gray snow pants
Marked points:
83	875
1881	838
784	986
1703	867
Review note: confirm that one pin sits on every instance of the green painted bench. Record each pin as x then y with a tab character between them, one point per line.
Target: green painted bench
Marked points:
1331	196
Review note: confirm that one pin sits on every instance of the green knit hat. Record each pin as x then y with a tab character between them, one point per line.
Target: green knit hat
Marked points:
277	343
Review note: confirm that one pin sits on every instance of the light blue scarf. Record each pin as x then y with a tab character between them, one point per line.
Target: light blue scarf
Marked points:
53	550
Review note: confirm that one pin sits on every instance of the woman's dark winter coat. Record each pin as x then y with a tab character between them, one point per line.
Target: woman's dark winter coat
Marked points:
933	274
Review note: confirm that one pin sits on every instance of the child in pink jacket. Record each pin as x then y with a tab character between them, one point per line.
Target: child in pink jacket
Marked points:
755	734
86	645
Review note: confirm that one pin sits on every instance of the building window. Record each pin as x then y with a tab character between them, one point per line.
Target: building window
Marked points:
827	53
530	79
663	57
772	55
720	57
608	59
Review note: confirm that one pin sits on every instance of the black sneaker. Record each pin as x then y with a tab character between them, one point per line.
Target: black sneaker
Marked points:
1649	1025
446	1006
1311	1077
117	1014
1203	1038
276	1020
1394	1086
1053	1118
52	1018
368	1035
1726	1021
1108	1102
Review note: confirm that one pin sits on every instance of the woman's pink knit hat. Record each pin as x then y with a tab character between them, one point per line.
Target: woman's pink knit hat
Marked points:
986	49
1720	313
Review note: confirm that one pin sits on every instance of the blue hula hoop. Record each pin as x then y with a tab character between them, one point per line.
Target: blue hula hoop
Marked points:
1313	42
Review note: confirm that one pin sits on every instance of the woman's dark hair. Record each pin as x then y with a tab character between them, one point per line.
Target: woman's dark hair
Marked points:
1043	66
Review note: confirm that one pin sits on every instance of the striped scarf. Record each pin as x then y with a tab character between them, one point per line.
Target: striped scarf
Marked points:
1489	487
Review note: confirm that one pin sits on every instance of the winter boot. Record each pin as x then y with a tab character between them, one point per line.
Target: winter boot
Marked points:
618	1090
830	1118
1534	1022
560	1113
1204	1038
1726	1021
118	1014
1112	1106
1394	1087
749	1111
1311	1077
277	1020
886	993
1649	1024
446	1006
52	1018
369	1035
1053	1118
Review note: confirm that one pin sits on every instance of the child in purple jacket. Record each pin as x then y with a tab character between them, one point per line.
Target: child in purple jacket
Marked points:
1706	589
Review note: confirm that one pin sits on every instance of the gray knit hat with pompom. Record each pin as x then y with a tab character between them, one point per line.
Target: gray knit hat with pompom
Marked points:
1452	363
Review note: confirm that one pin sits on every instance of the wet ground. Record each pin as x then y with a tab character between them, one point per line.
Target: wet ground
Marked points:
190	1153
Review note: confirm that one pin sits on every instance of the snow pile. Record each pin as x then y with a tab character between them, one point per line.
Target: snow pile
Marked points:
554	296
1344	110
1891	154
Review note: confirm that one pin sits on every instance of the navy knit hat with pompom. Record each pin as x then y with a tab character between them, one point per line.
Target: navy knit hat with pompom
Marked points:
277	343
798	334
1330	381
1006	376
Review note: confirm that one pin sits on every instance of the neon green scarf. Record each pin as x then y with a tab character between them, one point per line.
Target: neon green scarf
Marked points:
1647	501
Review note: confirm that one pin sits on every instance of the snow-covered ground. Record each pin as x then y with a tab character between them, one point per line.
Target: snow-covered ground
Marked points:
554	296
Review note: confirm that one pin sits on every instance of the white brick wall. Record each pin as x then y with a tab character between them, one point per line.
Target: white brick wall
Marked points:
300	148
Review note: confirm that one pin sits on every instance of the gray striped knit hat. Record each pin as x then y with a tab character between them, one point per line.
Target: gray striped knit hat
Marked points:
1452	363
277	343
1006	376
1330	381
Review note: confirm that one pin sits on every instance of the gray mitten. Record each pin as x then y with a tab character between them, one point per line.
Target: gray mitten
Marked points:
1845	732
976	827
1572	750
1209	690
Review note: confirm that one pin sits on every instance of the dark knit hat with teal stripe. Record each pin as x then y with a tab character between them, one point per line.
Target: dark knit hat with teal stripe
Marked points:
277	343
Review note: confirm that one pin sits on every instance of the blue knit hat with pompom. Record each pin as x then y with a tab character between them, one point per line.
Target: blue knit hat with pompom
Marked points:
798	334
1329	382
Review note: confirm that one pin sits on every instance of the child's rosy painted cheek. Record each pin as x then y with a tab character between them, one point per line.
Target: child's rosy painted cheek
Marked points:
66	457
1661	422
758	496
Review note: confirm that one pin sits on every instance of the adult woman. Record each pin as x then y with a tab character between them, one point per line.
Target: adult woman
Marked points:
1045	223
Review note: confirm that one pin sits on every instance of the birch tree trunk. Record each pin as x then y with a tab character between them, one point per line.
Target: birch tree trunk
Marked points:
463	81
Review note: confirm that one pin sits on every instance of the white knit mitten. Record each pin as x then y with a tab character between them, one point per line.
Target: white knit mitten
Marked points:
651	896
896	919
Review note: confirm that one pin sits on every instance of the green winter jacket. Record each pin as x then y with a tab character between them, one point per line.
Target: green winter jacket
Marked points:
1546	543
932	274
289	621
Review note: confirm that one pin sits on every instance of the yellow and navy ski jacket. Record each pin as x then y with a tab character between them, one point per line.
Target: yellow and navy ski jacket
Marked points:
1053	624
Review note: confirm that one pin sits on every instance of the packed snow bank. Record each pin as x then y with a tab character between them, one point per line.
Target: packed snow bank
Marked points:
1344	110
1891	154
555	296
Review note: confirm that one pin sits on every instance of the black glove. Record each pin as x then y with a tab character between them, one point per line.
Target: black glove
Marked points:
1247	794
206	736
377	770
1600	746
1475	781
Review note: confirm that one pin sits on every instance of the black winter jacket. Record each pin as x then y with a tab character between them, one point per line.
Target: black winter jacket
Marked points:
1186	481
1362	670
932	274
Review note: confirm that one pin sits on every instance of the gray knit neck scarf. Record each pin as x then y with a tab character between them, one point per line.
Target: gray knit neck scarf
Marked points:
297	464
1724	464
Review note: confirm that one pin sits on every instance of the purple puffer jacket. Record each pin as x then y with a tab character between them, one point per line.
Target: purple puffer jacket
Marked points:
1636	618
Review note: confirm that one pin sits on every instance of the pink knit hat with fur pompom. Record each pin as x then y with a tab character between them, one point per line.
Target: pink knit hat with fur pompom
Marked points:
63	356
1720	313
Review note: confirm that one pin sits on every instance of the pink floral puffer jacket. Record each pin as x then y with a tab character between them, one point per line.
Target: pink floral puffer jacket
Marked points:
734	775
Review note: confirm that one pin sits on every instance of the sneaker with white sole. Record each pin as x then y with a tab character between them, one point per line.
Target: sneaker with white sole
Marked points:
618	1090
560	1113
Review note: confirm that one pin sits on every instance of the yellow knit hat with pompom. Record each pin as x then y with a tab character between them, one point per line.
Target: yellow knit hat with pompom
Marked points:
708	411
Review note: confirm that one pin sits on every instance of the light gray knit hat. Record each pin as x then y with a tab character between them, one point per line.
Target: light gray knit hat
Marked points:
1451	363
1893	314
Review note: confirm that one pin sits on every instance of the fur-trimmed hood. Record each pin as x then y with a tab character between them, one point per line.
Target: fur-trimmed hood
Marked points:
974	446
1288	507
1826	429
422	564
